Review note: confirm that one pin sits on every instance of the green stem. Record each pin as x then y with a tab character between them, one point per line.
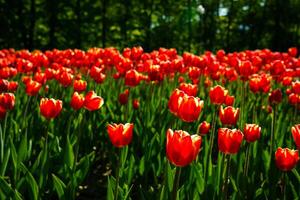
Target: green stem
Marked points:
176	183
246	165
284	174
273	130
118	173
227	177
211	141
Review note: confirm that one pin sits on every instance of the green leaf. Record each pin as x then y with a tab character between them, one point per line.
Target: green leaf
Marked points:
69	154
8	191
83	166
142	165
258	192
22	151
296	174
110	194
233	184
5	161
59	187
170	176
31	182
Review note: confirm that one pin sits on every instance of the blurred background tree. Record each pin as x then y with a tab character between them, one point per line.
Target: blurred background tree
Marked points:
188	25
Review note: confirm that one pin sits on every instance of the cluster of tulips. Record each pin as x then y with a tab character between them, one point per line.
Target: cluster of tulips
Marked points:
243	108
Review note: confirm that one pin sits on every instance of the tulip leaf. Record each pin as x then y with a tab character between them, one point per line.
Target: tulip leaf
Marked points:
69	154
59	187
233	184
130	168
5	161
142	165
258	192
31	182
110	194
23	149
83	166
170	176
296	174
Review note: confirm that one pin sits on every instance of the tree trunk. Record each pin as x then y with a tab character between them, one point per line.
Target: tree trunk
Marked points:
78	20
104	22
32	25
52	23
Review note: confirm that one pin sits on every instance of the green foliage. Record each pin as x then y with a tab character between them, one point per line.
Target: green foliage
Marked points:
192	25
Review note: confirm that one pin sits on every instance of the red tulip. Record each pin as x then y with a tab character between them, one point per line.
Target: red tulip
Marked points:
252	132
4	84
136	104
174	101
203	128
229	140
7	100
229	115
13	86
40	77
123	97
189	108
2	112
296	135
293	51
65	78
79	85
286	159
229	100
50	108
182	148
120	135
296	87
32	87
218	95
77	101
275	96
189	89
294	99
132	78
93	102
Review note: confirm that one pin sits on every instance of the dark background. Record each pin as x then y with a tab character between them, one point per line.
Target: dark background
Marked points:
228	24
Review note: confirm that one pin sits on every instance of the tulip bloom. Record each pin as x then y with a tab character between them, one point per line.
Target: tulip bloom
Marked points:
79	85
173	103
13	86
50	108
4	84
252	132
229	140
136	104
123	97
275	97
229	115
286	159
203	128
218	95
120	135
32	87
229	100
7	100
132	78
181	147
189	108
2	112
189	89
65	78
296	135
77	101
93	102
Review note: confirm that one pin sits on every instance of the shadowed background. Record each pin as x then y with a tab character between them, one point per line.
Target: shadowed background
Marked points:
188	25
